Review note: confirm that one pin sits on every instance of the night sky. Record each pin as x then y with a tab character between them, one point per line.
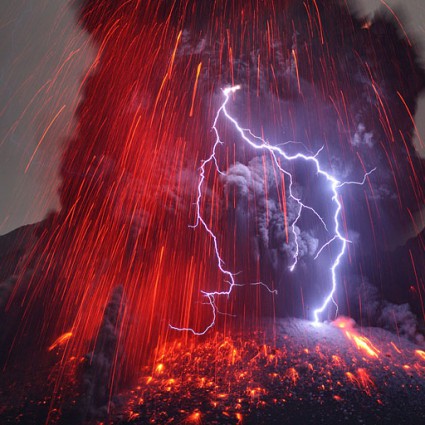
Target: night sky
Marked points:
43	57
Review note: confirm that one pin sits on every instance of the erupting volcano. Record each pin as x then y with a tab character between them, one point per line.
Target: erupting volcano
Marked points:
242	177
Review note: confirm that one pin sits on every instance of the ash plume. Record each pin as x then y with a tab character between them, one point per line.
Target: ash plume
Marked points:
311	74
340	86
96	379
314	78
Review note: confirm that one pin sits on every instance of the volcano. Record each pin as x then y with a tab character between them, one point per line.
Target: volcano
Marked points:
177	281
274	371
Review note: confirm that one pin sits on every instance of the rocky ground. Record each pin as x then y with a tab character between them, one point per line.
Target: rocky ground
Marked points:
290	371
283	371
296	373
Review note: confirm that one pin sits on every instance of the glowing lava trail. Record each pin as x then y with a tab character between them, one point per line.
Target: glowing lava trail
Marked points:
260	144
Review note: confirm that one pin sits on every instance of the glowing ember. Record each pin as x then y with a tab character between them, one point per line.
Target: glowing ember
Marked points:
194	418
61	340
308	372
362	379
160	144
420	353
361	342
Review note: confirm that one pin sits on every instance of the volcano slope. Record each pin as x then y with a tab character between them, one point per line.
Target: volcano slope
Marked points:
290	371
272	372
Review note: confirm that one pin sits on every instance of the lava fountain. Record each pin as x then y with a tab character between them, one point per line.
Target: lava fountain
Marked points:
119	264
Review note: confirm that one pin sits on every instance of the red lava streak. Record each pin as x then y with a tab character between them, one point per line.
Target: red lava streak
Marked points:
275	375
118	264
361	342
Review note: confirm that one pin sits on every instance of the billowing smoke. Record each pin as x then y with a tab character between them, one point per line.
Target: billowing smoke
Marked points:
255	184
311	74
400	319
317	77
95	376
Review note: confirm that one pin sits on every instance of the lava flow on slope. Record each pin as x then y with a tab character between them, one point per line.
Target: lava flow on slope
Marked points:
287	371
113	281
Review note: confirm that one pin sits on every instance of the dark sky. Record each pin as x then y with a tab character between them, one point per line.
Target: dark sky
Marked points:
43	58
412	15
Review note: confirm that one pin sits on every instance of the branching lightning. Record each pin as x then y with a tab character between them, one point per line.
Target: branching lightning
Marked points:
276	152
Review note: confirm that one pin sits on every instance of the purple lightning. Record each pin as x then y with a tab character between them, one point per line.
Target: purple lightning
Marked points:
260	144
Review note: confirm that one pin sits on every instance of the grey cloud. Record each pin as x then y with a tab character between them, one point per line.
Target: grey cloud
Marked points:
250	183
400	319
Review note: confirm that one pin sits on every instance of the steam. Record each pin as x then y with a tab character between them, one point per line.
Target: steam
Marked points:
96	375
400	319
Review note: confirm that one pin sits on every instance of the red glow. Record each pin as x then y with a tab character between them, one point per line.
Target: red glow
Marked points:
194	418
362	380
361	342
420	354
128	194
60	341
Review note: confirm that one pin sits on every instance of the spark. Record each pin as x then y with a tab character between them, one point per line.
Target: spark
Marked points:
362	380
420	353
361	342
195	417
60	341
276	152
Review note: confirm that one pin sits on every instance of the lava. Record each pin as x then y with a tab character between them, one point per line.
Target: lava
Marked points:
157	133
61	340
277	153
361	342
312	372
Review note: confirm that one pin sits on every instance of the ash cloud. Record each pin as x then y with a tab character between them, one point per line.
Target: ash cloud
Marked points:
400	319
341	84
96	374
374	310
334	80
255	186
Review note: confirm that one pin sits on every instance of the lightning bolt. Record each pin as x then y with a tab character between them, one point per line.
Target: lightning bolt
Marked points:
260	144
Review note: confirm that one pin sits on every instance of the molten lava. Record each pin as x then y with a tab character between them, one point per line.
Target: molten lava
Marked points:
361	342
118	264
